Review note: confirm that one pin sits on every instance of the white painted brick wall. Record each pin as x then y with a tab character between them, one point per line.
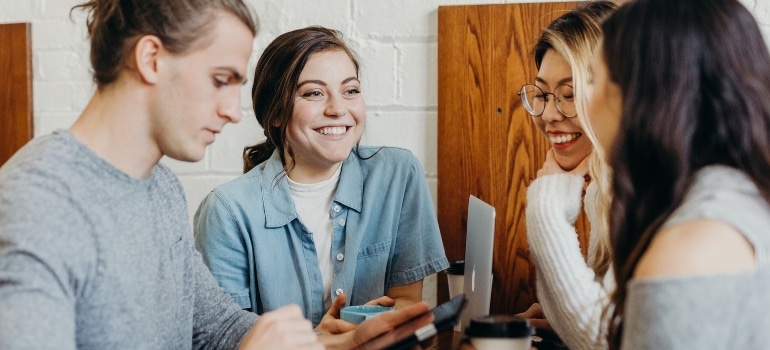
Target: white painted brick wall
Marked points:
396	41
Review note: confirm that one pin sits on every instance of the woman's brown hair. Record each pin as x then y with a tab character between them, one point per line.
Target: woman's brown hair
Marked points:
275	83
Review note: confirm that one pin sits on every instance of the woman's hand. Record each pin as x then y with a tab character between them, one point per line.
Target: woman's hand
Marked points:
383	301
331	322
550	166
535	316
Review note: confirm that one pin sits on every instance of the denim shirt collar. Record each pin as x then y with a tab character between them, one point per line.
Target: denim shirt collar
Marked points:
276	198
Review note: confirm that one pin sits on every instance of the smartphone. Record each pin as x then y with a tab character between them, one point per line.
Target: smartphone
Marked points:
411	333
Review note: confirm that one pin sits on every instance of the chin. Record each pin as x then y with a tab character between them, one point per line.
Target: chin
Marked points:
190	156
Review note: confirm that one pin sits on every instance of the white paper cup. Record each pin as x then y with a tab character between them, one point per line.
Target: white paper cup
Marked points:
500	332
456	280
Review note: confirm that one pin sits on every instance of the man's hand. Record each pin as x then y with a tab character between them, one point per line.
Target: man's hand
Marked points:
331	322
412	317
284	328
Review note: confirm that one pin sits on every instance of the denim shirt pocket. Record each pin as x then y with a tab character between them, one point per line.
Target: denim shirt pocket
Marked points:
371	271
374	251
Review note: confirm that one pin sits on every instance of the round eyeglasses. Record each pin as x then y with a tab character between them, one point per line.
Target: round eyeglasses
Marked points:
534	100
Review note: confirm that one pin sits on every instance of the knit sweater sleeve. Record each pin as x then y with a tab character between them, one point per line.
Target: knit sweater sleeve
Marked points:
571	297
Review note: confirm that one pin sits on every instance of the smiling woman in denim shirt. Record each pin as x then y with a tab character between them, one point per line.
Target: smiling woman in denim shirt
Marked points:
316	215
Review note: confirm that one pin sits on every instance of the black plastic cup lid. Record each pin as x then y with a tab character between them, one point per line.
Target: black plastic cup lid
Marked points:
499	326
456	267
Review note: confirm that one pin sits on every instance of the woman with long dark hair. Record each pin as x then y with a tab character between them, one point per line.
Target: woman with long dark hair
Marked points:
681	106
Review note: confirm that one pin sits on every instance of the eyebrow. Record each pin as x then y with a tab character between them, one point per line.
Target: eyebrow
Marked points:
321	82
560	82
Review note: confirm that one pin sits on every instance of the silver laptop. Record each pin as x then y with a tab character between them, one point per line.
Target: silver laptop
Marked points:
479	245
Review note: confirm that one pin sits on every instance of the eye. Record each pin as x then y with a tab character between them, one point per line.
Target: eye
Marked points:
312	93
352	91
220	81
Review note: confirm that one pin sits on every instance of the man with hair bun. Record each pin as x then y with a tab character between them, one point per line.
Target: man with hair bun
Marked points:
96	251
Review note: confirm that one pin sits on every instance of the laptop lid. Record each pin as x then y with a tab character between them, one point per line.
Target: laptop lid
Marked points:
479	244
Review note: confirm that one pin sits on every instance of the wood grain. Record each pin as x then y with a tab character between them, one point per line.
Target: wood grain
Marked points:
487	144
15	88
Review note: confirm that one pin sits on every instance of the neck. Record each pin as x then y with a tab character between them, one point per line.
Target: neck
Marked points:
116	128
306	173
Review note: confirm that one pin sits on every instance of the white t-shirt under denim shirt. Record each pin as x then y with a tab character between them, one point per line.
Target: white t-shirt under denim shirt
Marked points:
314	203
385	234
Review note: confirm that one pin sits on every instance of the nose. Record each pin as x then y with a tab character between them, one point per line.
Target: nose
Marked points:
335	106
230	107
551	113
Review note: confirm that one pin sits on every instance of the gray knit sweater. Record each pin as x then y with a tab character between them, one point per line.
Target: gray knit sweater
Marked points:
727	311
91	258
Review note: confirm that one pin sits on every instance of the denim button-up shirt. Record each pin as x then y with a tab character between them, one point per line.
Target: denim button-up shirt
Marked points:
385	234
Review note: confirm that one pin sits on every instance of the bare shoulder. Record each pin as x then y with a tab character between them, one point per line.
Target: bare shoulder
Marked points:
699	247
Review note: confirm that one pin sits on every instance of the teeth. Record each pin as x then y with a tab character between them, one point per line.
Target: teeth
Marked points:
563	138
336	130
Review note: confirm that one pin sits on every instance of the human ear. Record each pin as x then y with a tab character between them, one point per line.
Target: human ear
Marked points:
145	57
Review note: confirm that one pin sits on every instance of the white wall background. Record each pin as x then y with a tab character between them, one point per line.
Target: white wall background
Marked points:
395	39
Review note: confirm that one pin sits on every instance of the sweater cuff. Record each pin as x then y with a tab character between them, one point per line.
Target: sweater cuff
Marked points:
558	194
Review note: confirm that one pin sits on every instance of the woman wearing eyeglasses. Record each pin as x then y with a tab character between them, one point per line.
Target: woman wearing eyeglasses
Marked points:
572	292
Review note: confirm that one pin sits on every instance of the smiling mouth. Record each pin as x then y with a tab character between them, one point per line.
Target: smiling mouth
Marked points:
563	138
332	130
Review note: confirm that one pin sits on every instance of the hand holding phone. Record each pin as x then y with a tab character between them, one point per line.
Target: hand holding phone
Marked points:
412	332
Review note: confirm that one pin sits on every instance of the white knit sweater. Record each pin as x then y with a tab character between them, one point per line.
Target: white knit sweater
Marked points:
571	297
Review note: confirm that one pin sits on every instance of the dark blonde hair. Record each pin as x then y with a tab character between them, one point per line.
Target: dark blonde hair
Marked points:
275	82
575	36
114	26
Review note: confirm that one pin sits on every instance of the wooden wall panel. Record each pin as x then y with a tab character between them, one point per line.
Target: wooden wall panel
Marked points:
15	88
487	144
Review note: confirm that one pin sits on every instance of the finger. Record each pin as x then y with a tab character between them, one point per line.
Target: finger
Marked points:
550	166
531	312
537	311
334	326
384	301
400	316
378	327
337	305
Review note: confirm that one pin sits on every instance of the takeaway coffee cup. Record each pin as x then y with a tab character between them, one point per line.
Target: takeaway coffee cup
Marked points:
500	332
454	276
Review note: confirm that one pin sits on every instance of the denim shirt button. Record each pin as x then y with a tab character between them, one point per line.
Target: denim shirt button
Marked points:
342	222
340	256
339	291
337	208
